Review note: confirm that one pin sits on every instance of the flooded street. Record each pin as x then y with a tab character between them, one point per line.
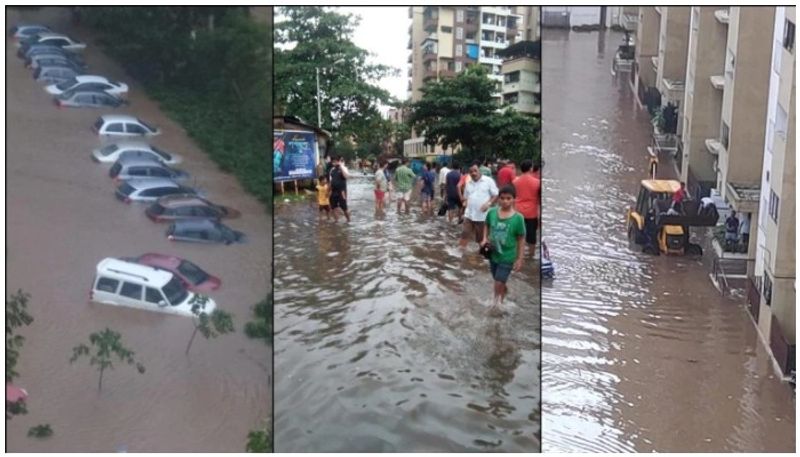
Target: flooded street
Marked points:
61	219
383	342
641	353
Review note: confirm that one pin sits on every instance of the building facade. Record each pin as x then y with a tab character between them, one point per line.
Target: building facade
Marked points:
522	77
772	297
445	40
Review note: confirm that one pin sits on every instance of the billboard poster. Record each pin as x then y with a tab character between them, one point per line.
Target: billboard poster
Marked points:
294	155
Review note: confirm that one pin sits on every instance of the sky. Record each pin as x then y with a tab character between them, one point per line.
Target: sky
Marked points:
384	32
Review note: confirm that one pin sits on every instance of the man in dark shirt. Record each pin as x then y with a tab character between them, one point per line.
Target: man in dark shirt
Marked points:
452	195
338	179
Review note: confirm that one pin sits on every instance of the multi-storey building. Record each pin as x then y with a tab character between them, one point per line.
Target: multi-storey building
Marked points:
522	77
772	287
445	40
702	106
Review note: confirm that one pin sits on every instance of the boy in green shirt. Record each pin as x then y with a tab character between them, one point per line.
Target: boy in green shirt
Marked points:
404	181
505	231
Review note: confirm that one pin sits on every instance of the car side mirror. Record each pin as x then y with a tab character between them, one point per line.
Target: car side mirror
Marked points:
162	303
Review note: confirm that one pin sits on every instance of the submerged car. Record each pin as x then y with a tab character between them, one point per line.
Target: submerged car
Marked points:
89	82
136	168
80	98
149	190
204	231
54	74
41	59
123	125
53	39
134	149
21	32
192	276
187	207
123	283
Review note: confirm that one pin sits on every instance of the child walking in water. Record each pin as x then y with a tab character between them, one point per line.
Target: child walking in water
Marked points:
504	231
324	197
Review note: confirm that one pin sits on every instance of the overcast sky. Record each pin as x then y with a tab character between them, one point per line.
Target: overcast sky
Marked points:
384	32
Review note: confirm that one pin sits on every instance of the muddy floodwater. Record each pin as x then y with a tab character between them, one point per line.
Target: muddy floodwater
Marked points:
383	342
61	219
640	353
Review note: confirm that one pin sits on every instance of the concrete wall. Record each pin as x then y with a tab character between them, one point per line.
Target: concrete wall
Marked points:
744	105
647	44
447	18
673	42
703	103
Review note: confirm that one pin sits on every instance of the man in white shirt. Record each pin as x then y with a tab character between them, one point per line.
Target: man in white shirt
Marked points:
480	193
443	180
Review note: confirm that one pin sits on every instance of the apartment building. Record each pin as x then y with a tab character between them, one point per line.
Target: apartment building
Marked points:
673	45
772	287
522	77
445	40
702	106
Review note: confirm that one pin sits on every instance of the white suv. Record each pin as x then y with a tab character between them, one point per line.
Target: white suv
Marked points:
123	125
122	283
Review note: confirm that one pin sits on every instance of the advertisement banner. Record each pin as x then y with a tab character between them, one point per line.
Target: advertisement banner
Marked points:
294	155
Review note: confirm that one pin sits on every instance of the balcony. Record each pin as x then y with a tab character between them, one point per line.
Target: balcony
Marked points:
410	57
429	57
630	21
722	16
714	147
718	82
430	23
410	44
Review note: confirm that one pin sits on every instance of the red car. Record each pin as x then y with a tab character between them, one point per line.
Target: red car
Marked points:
192	276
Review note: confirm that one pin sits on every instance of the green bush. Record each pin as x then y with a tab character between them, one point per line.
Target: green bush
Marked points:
261	327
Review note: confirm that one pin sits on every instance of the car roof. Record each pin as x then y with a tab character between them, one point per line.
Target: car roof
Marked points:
54	35
181	199
91	79
51	66
118	118
161	258
133	145
146	274
149	183
139	161
195	223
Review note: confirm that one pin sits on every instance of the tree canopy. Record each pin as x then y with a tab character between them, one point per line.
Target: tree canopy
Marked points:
313	38
462	112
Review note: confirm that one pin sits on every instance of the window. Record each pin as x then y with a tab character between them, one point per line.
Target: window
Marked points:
459	33
135	128
160	172
458	66
724	135
781	122
459	50
446	29
114	127
107	285
130	290
767	289
459	15
152	295
774	203
788	36
512	77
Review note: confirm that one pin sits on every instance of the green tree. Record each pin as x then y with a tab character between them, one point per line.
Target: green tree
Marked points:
261	327
211	70
312	38
260	440
455	111
104	347
17	316
209	325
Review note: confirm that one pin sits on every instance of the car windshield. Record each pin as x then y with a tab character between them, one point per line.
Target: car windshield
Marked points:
108	150
126	189
175	292
227	233
67	84
161	153
192	272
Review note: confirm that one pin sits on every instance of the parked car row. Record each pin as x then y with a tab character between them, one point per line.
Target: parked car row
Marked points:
141	172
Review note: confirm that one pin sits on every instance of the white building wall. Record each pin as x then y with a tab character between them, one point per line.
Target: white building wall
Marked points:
772	109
